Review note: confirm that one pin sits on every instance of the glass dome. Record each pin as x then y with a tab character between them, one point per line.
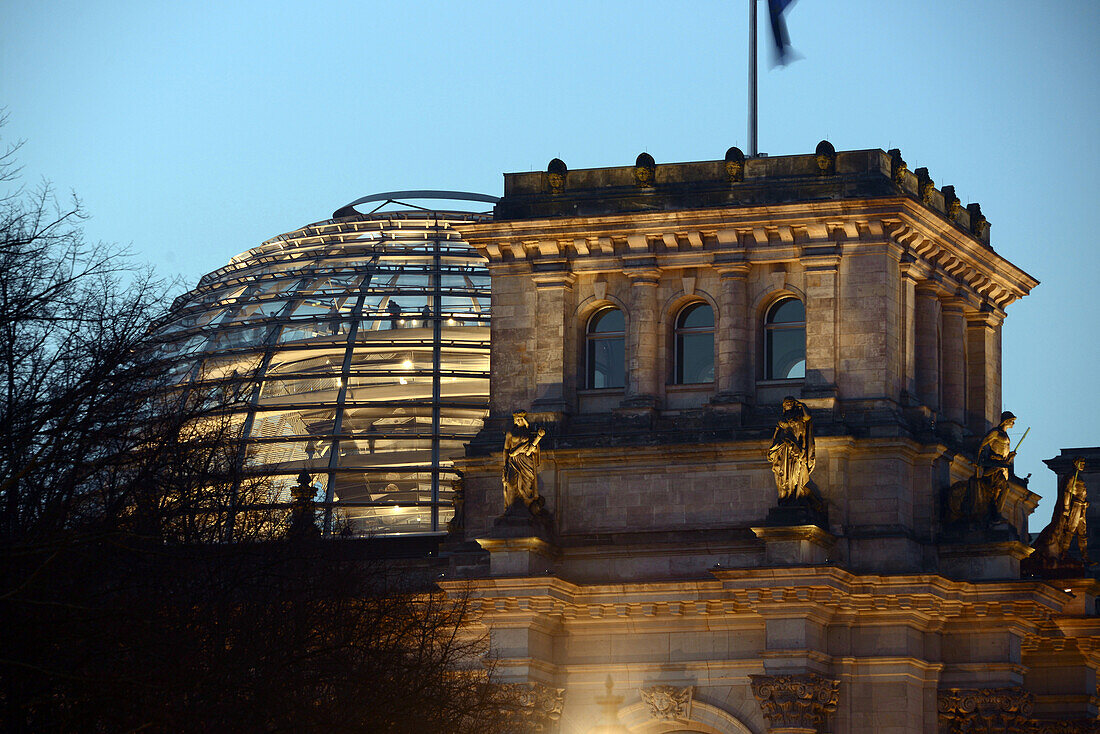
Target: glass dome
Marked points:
368	335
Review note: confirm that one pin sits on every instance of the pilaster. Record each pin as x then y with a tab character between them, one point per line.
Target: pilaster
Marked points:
953	361
983	345
927	318
553	294
822	296
734	335
643	368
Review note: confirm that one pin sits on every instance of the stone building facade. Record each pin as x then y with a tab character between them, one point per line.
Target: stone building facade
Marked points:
651	319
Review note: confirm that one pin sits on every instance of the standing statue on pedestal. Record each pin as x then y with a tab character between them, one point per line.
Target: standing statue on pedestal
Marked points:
792	452
1053	545
981	499
521	464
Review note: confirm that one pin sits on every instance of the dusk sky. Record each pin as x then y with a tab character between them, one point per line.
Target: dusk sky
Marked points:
193	131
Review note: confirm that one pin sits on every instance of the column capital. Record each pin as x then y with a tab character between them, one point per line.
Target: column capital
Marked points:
732	270
793	703
984	318
643	276
556	279
954	304
984	709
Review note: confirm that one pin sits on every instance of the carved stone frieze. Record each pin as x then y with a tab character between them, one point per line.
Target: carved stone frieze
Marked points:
1077	726
535	707
795	701
972	710
668	703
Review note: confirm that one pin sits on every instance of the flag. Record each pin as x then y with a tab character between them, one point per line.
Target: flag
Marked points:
783	51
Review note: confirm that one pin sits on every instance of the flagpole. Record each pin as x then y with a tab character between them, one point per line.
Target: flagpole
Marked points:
752	78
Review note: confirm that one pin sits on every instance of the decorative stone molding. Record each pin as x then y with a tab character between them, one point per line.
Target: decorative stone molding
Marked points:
795	701
668	703
1076	726
967	710
538	706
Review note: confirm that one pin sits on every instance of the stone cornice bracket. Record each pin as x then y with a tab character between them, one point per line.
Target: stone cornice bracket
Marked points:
537	706
966	710
668	703
796	703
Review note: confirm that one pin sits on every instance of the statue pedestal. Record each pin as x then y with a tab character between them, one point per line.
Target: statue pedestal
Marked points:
519	543
798	545
990	561
795	535
1085	593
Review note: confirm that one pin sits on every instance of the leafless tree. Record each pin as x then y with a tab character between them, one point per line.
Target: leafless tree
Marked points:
122	608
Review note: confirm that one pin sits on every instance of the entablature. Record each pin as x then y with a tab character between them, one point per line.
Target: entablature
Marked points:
815	234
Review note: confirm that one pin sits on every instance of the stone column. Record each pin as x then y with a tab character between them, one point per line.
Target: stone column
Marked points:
927	346
953	361
733	335
795	704
983	345
822	283
642	357
553	295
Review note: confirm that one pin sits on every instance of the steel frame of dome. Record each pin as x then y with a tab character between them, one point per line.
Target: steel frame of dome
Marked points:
368	338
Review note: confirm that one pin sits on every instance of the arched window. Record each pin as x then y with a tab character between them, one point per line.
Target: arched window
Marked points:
785	340
606	355
695	344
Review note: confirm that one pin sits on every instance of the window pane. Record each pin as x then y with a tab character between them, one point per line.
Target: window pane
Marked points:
786	356
787	312
696	316
606	363
695	358
607	321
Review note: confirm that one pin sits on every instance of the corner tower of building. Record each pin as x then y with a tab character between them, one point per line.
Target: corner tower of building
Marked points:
746	454
660	314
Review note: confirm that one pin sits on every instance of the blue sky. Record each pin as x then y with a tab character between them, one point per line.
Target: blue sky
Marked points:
195	130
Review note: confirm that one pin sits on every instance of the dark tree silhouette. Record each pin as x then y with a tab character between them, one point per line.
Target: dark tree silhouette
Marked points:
122	605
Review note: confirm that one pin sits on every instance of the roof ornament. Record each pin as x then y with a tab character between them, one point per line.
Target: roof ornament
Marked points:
645	171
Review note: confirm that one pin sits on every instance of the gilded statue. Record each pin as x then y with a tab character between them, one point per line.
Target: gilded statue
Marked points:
981	499
1053	545
521	464
792	453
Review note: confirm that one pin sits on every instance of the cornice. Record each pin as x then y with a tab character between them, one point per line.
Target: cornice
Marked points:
814	233
823	593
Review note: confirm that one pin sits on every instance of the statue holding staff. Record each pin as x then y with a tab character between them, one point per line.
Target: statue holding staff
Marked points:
981	499
1053	544
521	464
791	453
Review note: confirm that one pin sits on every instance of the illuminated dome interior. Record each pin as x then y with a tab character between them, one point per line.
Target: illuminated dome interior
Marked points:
368	336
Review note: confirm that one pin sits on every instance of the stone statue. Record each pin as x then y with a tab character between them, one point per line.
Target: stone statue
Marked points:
521	464
1052	546
792	451
981	499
